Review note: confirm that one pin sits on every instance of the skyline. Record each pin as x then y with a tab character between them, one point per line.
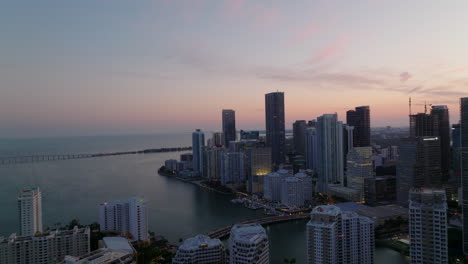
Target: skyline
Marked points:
91	68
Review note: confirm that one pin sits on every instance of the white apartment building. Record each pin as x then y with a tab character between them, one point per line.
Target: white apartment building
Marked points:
334	236
428	226
292	192
129	217
200	249
272	187
45	248
30	211
248	244
307	183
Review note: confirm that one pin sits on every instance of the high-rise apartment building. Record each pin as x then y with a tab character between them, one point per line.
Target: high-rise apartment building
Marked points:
229	126
311	149
200	249
307	184
334	236
249	135
213	163
198	146
428	226
359	118
424	125
441	113
292	192
464	167
248	243
30	211
359	168
330	151
272	187
299	133
258	163
129	217
232	168
275	126
46	247
419	166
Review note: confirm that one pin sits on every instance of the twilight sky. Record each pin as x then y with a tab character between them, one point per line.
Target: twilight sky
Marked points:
109	66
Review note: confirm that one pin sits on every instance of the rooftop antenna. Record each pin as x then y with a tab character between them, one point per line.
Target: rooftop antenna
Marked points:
410	105
425	107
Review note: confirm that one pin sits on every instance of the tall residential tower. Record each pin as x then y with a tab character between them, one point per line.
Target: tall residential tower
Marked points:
30	211
359	118
275	126
229	126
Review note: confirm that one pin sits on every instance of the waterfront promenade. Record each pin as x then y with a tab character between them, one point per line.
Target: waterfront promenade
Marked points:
225	231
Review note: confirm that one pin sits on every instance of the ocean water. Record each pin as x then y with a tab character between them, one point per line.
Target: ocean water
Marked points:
74	189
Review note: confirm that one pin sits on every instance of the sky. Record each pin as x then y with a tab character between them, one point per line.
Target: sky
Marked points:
96	67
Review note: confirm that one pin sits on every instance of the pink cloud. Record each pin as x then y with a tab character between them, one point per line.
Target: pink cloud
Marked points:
303	35
404	76
330	50
233	7
267	16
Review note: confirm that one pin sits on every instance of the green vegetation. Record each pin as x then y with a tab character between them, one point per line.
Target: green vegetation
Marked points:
217	186
391	227
290	261
395	245
156	252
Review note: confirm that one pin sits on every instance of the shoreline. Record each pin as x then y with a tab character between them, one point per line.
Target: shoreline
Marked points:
198	182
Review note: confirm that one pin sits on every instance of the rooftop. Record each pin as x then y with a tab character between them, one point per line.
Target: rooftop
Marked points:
326	210
248	232
198	241
118	243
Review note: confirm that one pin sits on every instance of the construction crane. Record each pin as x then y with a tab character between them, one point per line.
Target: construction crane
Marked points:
425	106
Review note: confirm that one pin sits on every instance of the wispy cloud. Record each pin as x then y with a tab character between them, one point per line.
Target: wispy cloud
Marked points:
404	76
303	35
329	50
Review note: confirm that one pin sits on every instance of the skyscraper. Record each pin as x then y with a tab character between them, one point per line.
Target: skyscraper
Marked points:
359	168
424	125
334	236
441	113
198	146
213	163
258	163
428	226
248	243
330	150
360	120
464	167
30	211
232	168
311	149
299	131
229	126
275	126
419	166
126	216
292	192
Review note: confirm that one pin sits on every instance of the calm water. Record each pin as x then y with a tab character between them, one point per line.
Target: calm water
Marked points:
74	188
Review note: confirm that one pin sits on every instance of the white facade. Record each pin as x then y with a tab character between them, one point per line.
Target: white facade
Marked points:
308	185
200	249
330	151
198	146
358	238
334	236
30	211
272	187
232	167
46	248
359	167
292	192
428	226
126	216
248	244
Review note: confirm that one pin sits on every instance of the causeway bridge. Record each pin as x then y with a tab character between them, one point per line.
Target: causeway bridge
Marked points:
12	160
225	231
